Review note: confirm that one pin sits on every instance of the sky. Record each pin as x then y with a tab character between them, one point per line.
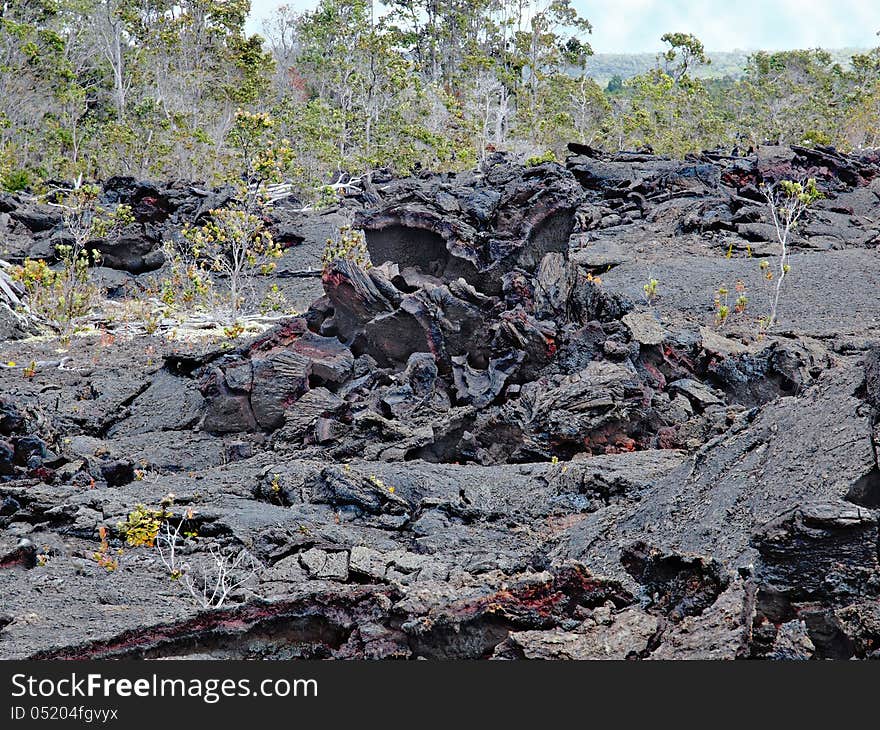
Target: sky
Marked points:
635	26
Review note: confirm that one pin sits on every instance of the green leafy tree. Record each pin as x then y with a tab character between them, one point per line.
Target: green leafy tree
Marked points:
685	53
668	110
348	60
37	83
615	85
793	97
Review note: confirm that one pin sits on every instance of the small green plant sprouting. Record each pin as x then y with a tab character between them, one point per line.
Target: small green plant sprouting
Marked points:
650	289
350	245
233	331
377	482
276	489
273	301
151	322
102	555
724	308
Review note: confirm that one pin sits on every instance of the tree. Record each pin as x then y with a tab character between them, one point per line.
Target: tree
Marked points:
282	34
553	41
108	26
668	110
862	122
787	202
685	52
154	88
194	66
349	61
569	108
793	97
615	85
235	244
35	77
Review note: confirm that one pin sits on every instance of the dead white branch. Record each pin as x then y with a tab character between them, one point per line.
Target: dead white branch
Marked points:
217	573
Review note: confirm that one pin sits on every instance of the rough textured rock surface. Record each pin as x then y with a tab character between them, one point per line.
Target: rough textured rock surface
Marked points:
490	442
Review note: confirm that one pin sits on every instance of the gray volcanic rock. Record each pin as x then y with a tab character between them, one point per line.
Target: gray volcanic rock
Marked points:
823	294
484	443
475	226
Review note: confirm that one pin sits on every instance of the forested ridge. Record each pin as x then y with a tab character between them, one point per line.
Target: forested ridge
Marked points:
153	88
613	68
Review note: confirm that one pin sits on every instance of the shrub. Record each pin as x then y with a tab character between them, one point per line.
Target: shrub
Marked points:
64	295
815	137
142	526
143	523
60	296
16	180
188	285
210	581
274	301
350	245
102	555
214	577
535	160
237	245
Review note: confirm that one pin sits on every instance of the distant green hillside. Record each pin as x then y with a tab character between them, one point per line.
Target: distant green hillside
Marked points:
603	66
